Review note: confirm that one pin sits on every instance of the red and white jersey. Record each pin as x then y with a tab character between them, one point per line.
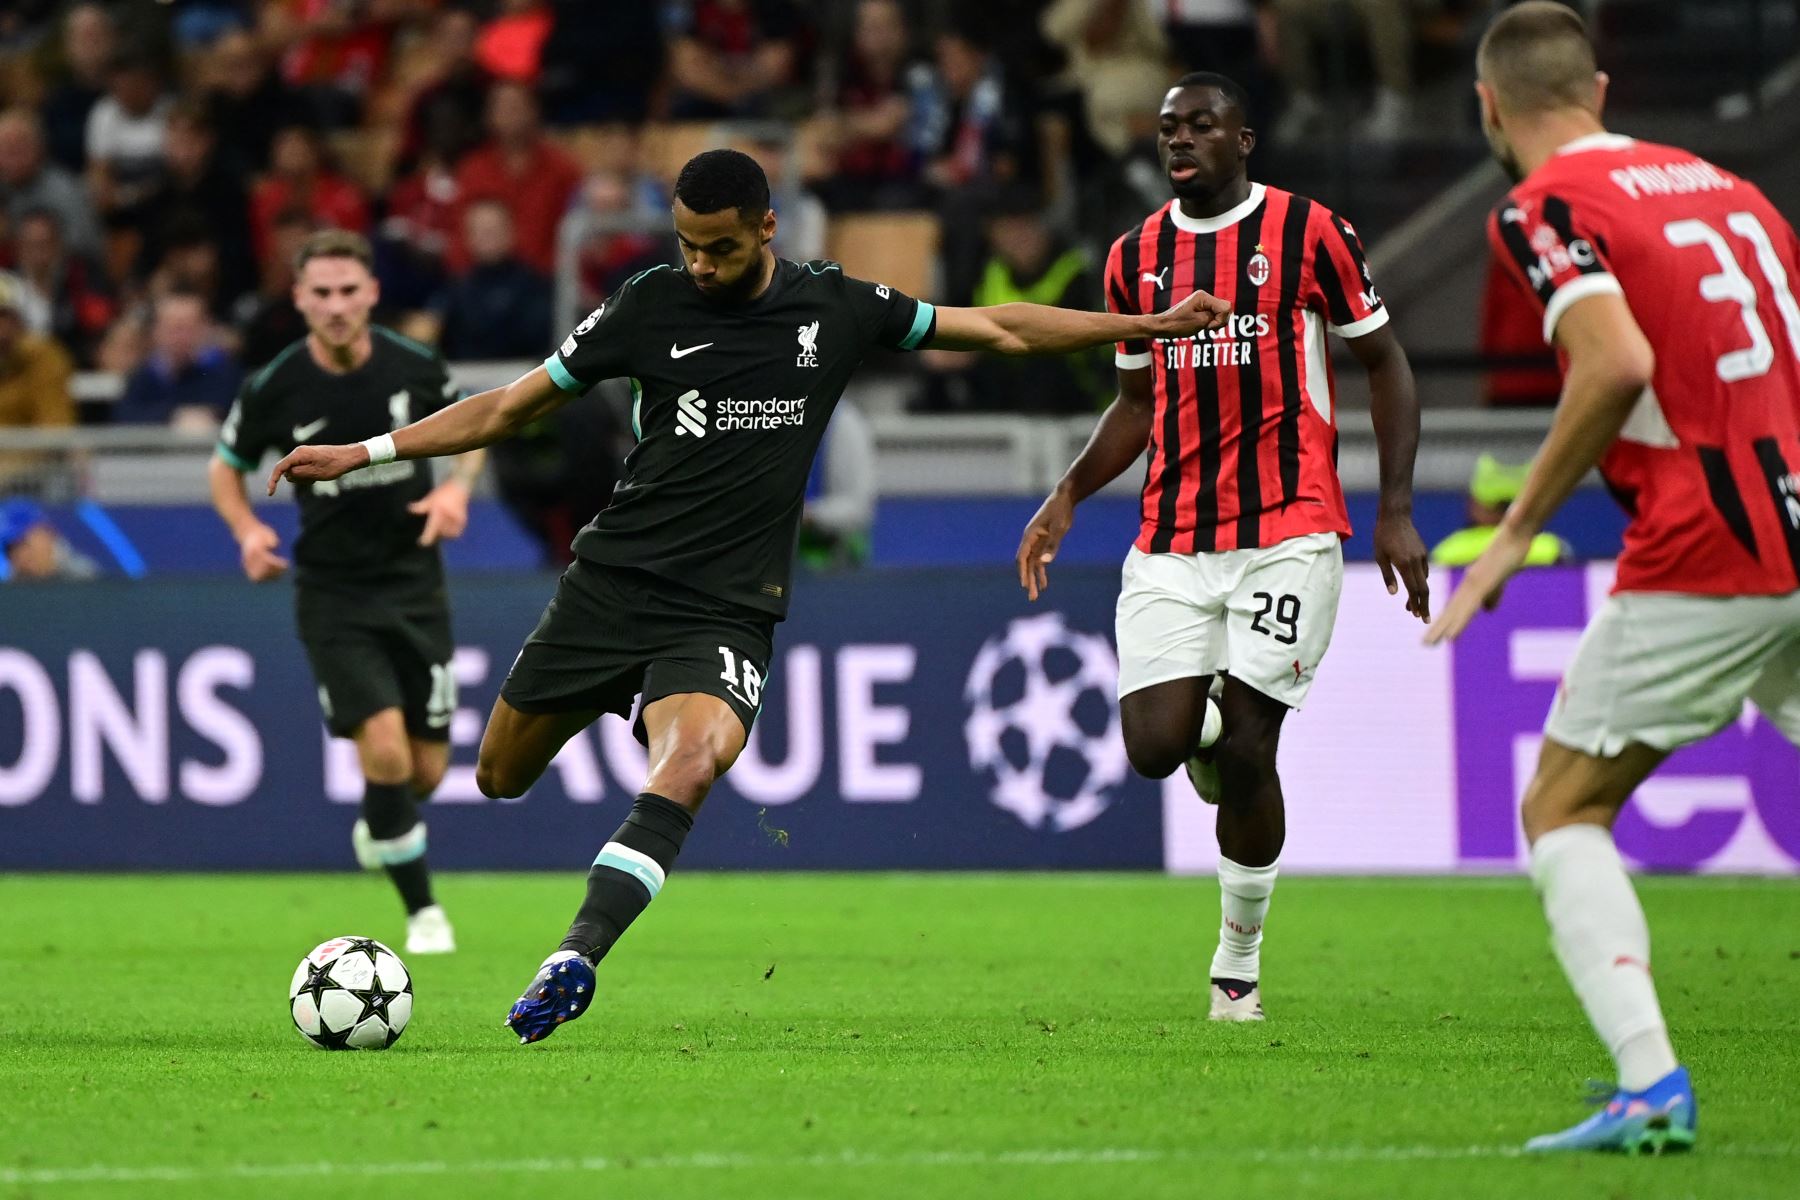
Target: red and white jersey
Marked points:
1705	465
1243	446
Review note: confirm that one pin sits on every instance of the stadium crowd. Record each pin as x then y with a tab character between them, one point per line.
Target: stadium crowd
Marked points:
511	158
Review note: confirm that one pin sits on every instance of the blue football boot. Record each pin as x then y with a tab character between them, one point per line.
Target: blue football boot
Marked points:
1661	1119
562	991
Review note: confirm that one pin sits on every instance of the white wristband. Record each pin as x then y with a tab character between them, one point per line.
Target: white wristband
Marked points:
381	449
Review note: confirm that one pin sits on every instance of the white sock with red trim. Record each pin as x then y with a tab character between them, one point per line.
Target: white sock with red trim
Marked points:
1598	930
1243	905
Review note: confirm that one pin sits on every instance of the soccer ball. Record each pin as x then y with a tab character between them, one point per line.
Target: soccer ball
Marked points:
1042	727
351	993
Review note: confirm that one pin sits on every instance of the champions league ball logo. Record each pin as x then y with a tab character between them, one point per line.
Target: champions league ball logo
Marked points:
1043	727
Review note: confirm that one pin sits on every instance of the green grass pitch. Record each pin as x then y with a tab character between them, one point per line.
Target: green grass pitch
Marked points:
885	1035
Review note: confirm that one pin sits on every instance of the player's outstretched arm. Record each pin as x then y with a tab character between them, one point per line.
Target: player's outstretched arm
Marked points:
1610	365
469	424
1394	409
1040	329
1117	442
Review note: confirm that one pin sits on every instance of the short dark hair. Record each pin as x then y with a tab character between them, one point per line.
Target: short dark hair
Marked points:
335	243
1537	57
1231	89
714	180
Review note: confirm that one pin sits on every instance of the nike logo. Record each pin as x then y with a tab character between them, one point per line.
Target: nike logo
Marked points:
302	432
678	352
1147	277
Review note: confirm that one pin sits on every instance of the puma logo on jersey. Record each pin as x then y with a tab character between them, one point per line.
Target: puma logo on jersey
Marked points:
677	352
302	432
1147	277
690	414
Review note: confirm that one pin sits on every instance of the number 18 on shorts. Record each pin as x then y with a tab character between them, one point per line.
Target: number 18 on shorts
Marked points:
1264	615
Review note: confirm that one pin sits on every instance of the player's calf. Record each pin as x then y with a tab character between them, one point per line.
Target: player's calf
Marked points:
1251	830
627	875
390	836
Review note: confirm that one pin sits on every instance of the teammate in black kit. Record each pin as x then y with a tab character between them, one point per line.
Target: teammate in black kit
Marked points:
370	597
736	361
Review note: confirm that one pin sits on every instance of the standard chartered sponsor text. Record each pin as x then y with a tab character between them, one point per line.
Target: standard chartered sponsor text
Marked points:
772	413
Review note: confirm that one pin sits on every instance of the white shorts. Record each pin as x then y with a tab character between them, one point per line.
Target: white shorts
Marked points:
1264	616
1666	670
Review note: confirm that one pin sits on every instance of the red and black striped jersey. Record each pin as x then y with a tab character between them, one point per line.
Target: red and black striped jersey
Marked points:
1708	463
1243	445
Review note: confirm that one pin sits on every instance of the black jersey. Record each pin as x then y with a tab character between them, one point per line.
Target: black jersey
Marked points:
729	404
355	530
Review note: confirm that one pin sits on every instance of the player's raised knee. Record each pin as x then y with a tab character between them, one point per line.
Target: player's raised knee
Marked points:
1155	757
499	782
684	774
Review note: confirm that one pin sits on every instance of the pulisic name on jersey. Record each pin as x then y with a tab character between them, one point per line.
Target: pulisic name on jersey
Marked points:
1671	179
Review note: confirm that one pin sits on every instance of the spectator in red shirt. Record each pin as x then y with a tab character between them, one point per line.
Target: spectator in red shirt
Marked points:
871	111
415	234
335	50
449	99
521	169
728	56
64	294
299	179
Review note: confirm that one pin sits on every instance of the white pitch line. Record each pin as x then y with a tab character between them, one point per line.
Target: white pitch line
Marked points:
49	1176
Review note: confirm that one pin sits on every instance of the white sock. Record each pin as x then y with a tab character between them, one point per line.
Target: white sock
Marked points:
1243	903
1598	931
1212	724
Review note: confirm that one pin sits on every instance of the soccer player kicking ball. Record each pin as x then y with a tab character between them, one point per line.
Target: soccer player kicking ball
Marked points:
369	597
1232	587
736	360
1665	285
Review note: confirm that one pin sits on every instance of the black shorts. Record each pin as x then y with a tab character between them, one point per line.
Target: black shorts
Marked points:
611	633
372	650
